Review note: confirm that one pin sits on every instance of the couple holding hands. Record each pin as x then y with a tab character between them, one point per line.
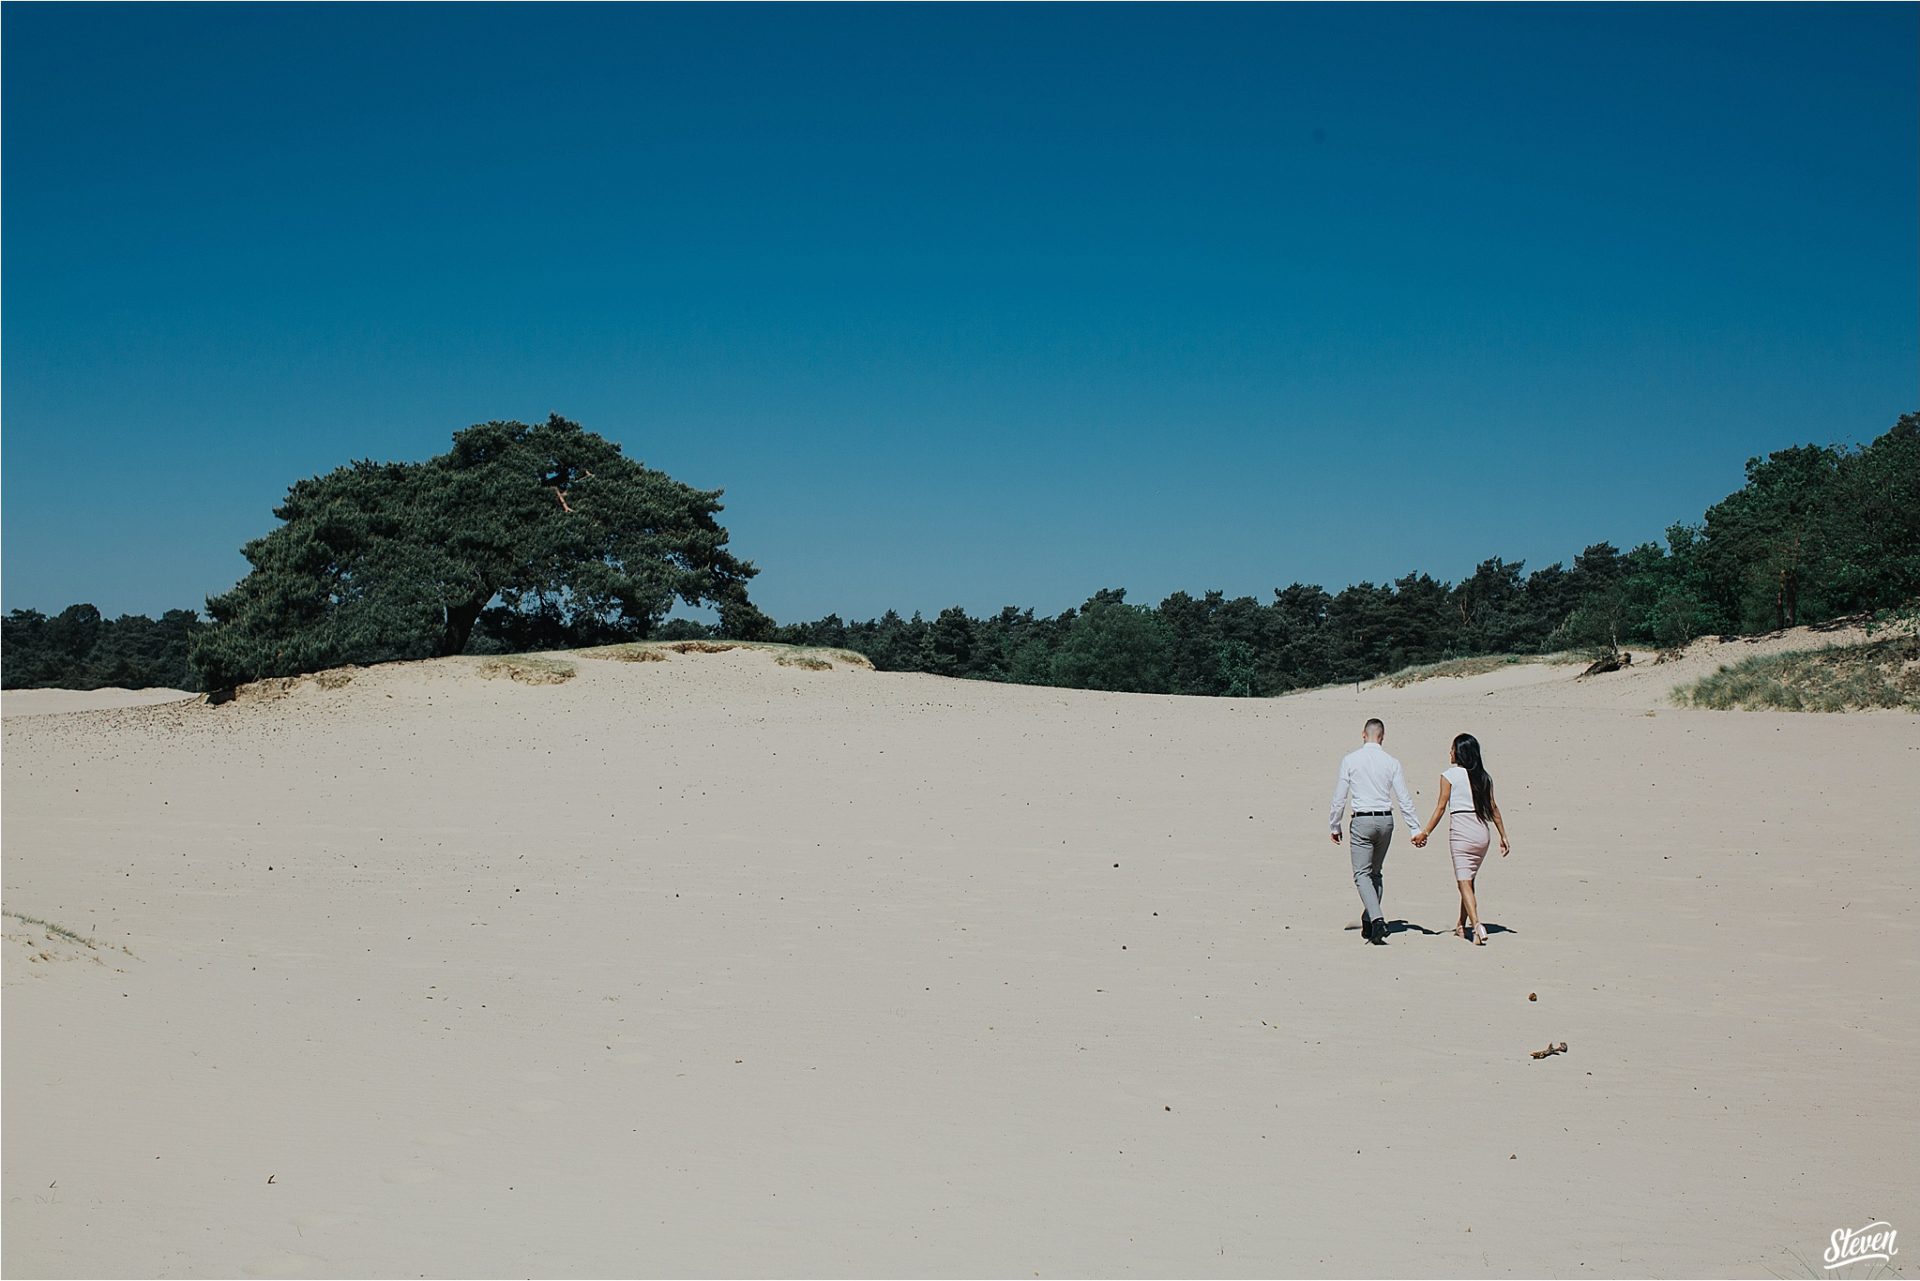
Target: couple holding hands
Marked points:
1374	782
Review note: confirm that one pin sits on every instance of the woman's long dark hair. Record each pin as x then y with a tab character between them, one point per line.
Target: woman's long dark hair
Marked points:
1466	754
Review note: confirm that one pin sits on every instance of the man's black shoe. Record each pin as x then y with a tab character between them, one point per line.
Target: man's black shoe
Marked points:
1379	933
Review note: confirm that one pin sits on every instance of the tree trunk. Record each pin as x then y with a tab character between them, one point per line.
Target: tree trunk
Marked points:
460	621
1793	586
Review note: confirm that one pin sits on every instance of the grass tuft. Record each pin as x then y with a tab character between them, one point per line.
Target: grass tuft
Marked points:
528	669
54	931
631	653
61	932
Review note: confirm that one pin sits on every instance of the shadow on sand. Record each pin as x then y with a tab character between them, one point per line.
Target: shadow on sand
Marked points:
1413	927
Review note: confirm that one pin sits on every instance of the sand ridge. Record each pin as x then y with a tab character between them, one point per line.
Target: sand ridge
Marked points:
1647	684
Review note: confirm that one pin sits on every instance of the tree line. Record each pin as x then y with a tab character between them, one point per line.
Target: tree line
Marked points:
1815	533
545	537
78	649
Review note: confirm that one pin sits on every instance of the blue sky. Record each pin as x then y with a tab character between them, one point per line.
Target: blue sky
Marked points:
961	305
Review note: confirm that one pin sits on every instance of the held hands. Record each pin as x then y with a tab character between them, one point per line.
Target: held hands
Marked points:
1419	840
1335	836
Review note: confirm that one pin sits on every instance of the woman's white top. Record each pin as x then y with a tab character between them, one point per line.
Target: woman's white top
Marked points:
1460	799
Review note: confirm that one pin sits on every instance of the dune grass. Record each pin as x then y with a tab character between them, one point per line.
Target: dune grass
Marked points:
528	669
269	688
811	657
55	931
1457	668
62	933
1838	678
631	654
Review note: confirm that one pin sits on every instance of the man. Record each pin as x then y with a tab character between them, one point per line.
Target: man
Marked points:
1373	780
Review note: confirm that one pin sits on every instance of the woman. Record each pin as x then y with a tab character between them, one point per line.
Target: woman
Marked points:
1466	797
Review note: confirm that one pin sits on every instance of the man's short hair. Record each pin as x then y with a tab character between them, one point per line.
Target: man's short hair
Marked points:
1375	728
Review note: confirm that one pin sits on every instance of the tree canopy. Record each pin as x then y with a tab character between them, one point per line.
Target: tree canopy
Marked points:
1113	645
551	526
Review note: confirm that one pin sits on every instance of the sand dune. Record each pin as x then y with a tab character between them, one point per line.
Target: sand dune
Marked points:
717	967
1646	684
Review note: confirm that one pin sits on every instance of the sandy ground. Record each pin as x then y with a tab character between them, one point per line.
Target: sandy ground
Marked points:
38	702
715	967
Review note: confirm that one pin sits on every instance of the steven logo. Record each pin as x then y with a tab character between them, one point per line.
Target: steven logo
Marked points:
1857	1245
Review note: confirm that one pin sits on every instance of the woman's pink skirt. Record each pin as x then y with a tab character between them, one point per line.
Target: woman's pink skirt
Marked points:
1469	839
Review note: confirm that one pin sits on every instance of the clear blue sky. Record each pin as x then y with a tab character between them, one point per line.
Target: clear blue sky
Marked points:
961	305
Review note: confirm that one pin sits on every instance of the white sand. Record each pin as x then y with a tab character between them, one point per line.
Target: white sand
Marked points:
39	702
716	967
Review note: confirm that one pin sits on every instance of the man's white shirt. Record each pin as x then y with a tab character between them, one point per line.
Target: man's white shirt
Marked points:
1373	780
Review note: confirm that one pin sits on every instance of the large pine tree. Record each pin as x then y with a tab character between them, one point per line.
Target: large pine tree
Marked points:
377	561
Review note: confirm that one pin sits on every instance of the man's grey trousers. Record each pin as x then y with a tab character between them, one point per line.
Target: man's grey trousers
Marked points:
1367	840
